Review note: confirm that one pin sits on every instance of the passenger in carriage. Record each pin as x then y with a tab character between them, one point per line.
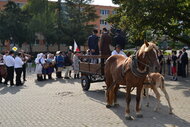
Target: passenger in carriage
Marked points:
118	51
93	43
104	43
119	39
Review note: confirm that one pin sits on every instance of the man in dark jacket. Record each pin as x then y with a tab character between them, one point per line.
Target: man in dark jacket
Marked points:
93	43
104	43
184	62
119	39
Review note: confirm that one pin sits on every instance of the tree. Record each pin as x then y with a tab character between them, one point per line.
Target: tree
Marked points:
13	23
42	21
162	17
76	17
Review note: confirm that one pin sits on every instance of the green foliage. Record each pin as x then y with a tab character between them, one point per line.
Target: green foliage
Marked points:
129	52
76	15
162	17
12	23
43	19
56	22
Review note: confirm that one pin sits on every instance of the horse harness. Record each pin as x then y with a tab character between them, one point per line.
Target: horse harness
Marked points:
134	69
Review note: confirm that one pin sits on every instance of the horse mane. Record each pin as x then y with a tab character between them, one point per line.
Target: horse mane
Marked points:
144	48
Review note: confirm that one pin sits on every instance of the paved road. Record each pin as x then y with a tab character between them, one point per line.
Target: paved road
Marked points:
62	103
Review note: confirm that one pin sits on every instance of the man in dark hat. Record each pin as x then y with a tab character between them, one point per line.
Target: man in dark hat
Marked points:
104	43
119	39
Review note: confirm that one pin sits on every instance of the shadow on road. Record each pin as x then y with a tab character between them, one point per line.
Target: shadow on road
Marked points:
150	119
182	84
60	80
12	89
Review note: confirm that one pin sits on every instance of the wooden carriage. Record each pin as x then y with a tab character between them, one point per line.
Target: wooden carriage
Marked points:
91	71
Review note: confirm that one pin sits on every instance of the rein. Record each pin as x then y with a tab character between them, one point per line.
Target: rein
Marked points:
134	67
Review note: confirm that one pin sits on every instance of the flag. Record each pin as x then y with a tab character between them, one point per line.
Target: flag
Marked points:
76	48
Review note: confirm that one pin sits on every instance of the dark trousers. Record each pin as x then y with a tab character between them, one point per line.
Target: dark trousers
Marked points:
18	75
24	71
0	79
183	70
10	75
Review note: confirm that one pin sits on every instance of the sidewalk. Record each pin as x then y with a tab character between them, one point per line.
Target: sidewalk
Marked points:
62	103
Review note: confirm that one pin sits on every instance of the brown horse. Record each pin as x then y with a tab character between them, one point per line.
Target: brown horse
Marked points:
131	72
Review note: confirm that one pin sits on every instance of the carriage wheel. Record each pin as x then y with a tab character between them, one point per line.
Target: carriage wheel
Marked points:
85	82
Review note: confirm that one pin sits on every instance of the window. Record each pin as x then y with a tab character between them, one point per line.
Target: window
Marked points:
113	12
103	22
20	4
104	12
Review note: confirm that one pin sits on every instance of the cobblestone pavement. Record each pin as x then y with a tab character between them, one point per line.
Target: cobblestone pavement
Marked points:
62	103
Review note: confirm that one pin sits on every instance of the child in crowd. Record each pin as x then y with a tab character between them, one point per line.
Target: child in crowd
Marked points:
174	63
169	59
76	64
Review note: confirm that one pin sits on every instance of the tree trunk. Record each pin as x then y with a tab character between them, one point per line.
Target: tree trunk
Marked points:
30	45
58	46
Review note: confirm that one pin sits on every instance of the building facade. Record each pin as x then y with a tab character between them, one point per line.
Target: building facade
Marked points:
103	12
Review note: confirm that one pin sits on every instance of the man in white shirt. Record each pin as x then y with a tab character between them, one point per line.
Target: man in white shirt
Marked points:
118	51
10	62
18	69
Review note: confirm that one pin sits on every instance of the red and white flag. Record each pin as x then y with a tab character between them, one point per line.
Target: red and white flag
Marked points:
76	48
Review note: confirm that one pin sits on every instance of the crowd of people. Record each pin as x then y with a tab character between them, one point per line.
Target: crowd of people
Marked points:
13	62
48	63
176	64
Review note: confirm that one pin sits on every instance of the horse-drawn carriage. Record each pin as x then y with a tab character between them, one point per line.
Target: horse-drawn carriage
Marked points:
92	69
117	70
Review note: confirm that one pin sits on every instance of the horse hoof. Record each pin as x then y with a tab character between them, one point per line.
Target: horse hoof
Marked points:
129	118
108	106
170	113
139	116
